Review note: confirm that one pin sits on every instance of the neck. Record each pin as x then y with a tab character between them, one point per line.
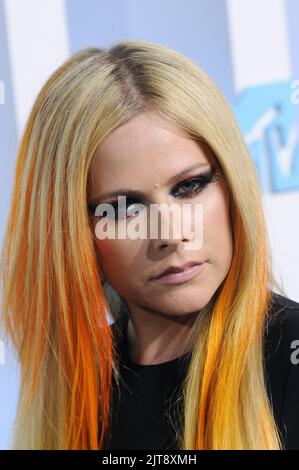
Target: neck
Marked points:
154	338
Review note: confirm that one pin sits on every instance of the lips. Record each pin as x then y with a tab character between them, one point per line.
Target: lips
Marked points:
178	269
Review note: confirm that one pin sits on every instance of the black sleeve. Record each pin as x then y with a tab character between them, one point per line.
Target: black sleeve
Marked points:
290	409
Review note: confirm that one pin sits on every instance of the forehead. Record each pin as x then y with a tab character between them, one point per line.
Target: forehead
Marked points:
144	152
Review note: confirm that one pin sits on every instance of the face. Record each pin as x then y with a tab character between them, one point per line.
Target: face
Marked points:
154	159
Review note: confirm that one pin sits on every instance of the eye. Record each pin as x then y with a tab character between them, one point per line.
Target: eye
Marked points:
190	187
131	209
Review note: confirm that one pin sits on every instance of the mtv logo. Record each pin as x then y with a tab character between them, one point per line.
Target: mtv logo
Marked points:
269	120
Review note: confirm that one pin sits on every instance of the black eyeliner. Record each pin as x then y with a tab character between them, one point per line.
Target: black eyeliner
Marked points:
203	179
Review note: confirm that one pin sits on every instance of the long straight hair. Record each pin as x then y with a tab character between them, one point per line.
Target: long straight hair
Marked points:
54	306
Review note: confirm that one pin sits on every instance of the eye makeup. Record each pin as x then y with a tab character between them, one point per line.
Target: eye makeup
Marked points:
188	188
197	183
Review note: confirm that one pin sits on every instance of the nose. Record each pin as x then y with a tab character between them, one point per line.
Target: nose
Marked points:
171	245
168	232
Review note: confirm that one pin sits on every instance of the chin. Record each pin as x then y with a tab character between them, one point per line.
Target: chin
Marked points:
186	304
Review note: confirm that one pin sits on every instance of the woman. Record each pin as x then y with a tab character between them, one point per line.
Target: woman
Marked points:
142	121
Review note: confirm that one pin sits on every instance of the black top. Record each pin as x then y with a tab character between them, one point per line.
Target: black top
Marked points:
143	413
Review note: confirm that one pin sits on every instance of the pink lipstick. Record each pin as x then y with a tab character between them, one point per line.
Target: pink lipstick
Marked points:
179	277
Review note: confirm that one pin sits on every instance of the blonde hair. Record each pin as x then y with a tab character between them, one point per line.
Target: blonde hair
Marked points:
54	306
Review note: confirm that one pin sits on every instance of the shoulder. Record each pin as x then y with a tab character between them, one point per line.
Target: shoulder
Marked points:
282	366
284	306
282	322
281	331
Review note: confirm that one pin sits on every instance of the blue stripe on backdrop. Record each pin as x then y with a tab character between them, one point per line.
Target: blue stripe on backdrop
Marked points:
200	30
8	129
8	148
292	13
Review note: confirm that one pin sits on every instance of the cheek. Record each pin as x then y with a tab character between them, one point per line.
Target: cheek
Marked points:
119	258
217	234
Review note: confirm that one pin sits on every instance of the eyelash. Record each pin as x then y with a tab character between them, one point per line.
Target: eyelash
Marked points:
201	181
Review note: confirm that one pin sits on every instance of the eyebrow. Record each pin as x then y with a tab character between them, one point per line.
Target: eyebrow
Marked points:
139	194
